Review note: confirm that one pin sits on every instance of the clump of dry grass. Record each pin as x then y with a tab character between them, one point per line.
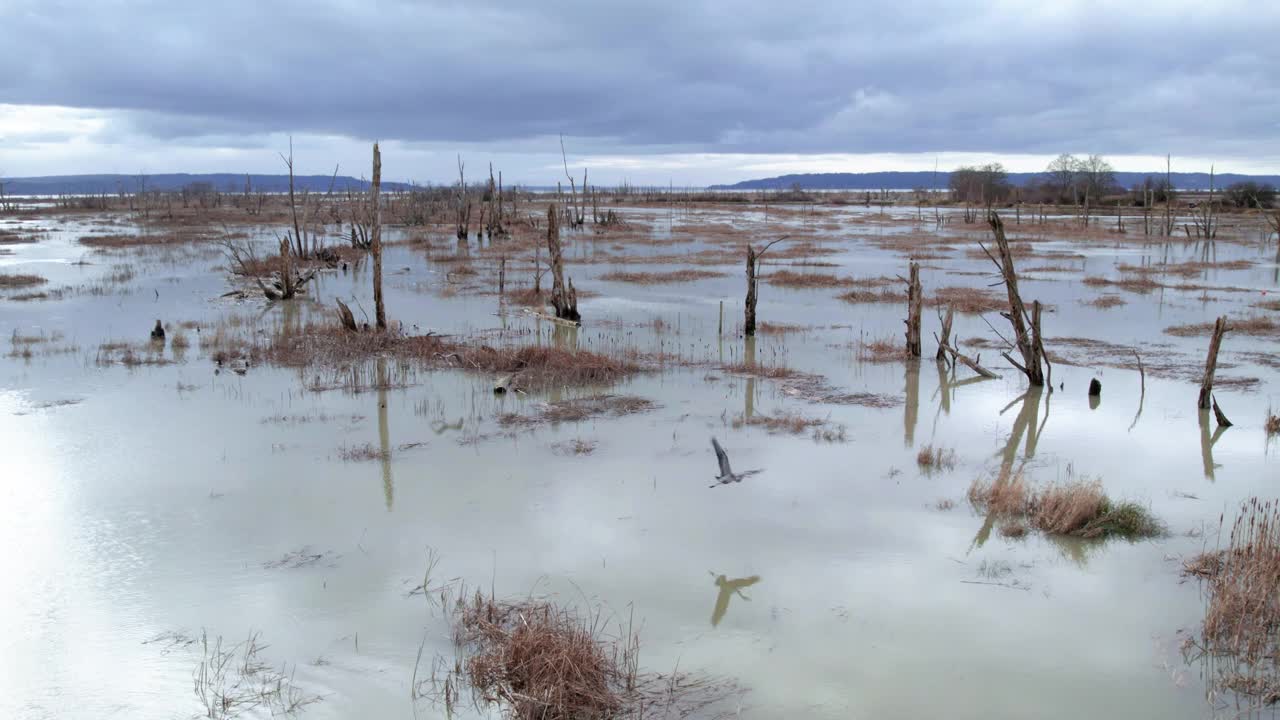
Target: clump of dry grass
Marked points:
882	350
968	300
141	240
1007	497
1272	424
1076	507
793	279
932	458
576	446
867	295
1105	302
580	409
660	278
1140	284
1241	630
533	366
13	281
1254	325
768	328
535	660
793	423
772	372
29	296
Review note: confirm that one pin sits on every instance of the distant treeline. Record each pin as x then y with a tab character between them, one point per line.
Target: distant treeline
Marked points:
171	182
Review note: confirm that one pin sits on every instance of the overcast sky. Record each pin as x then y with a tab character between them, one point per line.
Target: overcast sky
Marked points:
689	91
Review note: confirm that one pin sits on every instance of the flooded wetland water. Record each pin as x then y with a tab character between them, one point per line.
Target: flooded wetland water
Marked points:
258	471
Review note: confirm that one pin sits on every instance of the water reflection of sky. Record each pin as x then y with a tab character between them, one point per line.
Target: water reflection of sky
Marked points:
143	508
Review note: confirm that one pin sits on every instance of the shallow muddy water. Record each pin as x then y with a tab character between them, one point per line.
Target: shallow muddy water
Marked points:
144	504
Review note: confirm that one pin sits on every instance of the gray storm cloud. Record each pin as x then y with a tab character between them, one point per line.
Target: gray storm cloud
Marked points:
691	76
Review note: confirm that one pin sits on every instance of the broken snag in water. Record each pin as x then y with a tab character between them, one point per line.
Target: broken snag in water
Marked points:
1095	387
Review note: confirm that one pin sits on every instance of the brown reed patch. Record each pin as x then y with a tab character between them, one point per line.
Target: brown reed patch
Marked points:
793	423
660	278
13	281
1272	425
1254	326
531	366
142	240
1268	305
768	328
798	280
968	300
882	350
1241	631
29	296
1140	284
580	409
1105	302
1076	507
534	660
528	297
931	458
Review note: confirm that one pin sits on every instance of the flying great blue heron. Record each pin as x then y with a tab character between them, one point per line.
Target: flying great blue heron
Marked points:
727	475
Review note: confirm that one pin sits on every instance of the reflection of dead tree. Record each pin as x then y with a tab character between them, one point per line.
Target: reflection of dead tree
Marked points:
1026	326
915	302
911	406
1142	375
753	284
1211	363
563	298
1207	442
1024	424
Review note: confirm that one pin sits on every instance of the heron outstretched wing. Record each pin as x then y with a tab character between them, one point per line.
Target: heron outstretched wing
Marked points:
723	459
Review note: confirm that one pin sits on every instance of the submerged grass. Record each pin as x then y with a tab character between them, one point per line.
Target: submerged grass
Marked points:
13	281
660	278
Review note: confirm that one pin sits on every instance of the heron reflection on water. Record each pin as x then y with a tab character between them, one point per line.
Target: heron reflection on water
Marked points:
728	588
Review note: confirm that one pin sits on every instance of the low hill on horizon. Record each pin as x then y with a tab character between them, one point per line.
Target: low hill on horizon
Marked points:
223	182
939	181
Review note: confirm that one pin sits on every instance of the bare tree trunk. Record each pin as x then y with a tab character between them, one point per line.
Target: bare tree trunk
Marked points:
286	268
749	321
563	297
1026	327
379	310
915	303
1211	363
946	331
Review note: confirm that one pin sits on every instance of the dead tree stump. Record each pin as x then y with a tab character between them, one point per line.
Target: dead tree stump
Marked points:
1211	363
379	310
563	297
915	303
1220	416
345	317
1095	387
1026	326
749	321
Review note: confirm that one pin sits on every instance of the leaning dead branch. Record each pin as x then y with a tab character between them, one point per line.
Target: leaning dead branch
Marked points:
968	362
1026	326
1211	363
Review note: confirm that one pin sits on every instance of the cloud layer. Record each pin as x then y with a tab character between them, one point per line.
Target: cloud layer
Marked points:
681	79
